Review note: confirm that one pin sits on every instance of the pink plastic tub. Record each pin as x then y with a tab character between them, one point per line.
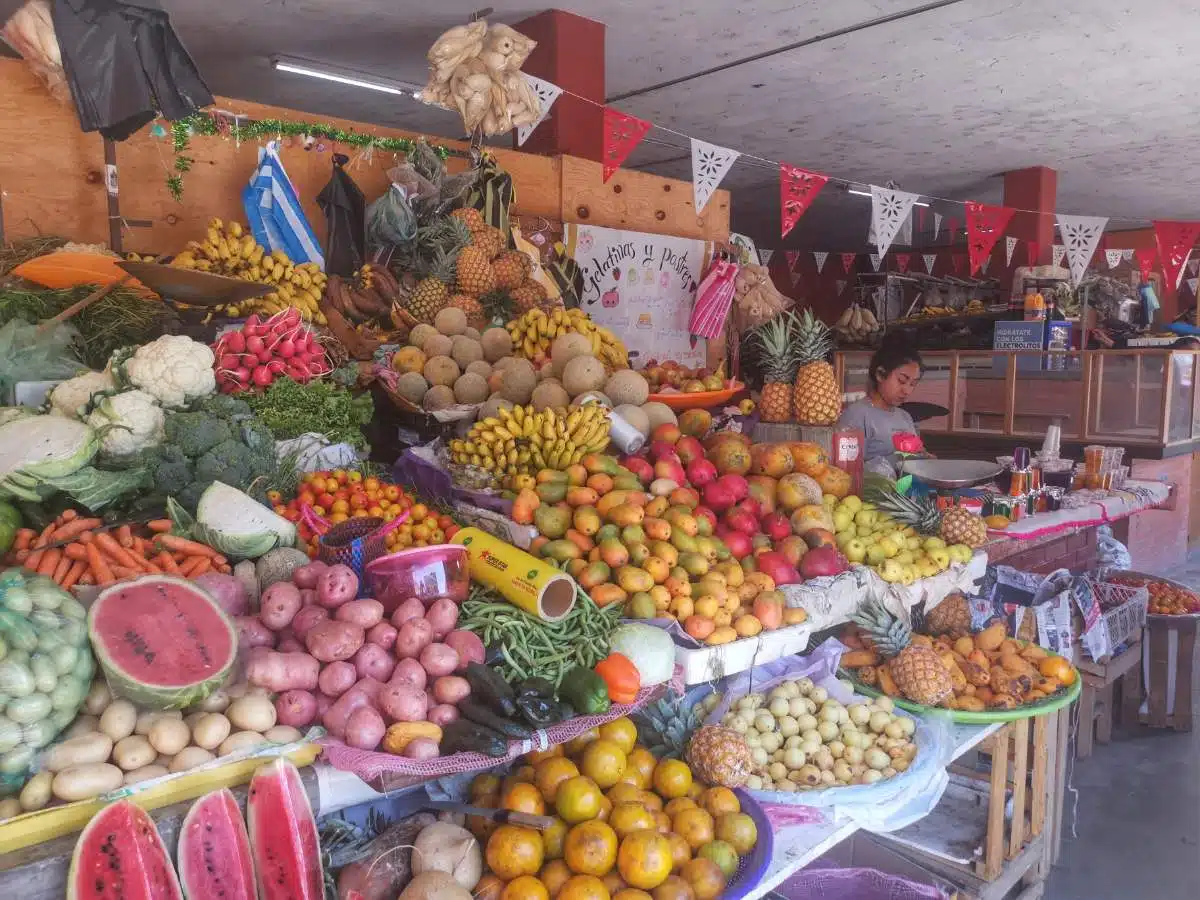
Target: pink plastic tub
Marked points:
428	573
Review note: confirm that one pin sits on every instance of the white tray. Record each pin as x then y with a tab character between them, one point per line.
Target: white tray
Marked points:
702	664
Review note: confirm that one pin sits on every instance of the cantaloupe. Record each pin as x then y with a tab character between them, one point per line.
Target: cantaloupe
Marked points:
492	406
565	348
480	368
472	333
497	344
441	370
420	334
450	320
439	396
626	386
518	381
412	386
549	395
437	345
659	413
582	374
470	388
635	416
465	350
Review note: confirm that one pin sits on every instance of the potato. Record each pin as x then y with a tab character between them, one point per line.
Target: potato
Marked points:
98	698
332	640
252	714
86	782
217	701
9	807
134	752
280	603
146	720
118	719
82	725
169	736
78	751
283	734
36	792
146	773
242	740
191	719
211	730
365	613
274	671
189	758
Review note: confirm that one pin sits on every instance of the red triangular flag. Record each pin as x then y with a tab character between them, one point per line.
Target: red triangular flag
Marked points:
1033	250
792	257
622	132
848	262
902	262
952	228
1175	241
797	190
956	260
1145	261
985	224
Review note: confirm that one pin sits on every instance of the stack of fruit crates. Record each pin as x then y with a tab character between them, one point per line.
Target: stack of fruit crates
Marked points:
1122	609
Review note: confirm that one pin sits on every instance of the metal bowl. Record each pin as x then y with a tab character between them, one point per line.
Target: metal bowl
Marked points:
193	287
951	473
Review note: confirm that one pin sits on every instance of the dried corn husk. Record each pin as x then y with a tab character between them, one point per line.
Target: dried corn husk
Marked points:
756	299
30	31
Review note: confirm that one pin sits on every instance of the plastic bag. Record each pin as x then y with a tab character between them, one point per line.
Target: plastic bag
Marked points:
1110	552
341	201
390	219
315	452
36	353
45	669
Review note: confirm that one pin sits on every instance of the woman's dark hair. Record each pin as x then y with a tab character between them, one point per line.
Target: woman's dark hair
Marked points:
893	353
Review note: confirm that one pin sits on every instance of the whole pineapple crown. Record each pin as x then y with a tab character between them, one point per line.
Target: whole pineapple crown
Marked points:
778	354
813	339
889	633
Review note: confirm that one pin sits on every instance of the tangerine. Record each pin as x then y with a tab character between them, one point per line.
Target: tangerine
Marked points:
672	778
624	792
696	791
603	761
533	757
630	817
720	800
679	804
722	854
513	851
606	808
739	831
554	875
621	732
583	887
578	799
576	744
674	888
640	763
614	882
550	773
484	785
552	839
651	800
525	887
590	848
523	798
681	851
662	822
489	887
704	877
644	859
695	826
631	894
1058	668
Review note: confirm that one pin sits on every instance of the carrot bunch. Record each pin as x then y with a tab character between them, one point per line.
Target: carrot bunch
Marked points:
101	556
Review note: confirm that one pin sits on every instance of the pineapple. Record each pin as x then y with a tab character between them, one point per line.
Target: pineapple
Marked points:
474	272
427	299
778	360
490	240
511	269
918	671
470	217
472	308
919	512
719	756
818	399
528	295
952	617
961	526
664	726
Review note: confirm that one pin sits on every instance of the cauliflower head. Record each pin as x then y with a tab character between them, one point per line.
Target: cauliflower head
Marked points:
72	396
174	369
128	422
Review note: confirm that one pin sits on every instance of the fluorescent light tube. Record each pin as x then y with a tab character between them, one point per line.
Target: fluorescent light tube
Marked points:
344	76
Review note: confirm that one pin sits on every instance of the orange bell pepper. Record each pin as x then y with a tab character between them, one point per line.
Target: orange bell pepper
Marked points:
621	676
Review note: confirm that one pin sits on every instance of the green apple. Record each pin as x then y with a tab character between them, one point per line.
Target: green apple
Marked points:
891	571
829	501
865	518
868	506
908	575
960	553
841	539
913	543
926	568
855	550
843	519
876	554
934	543
940	557
889	547
852	503
904	557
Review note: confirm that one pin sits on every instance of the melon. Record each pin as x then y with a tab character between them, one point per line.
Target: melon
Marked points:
470	388
582	374
450	320
465	351
120	856
636	417
214	850
437	398
162	642
481	368
421	333
627	387
412	386
659	414
517	381
283	835
565	348
496	343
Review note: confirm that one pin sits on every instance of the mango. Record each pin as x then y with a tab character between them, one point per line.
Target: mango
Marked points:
606	532
678	587
523	481
628	482
551	521
735	576
604	594
626	514
707	606
586	520
694	563
656	507
664	551
576	567
632	579
613	552
552	491
661	596
612	500
681	608
708	548
633	534
641	606
600	483
545	476
723	634
561	550
704	527
580	540
525	506
576	474
599	463
657	569
722	617
684	496
682	542
593	574
581	496
657	529
638	553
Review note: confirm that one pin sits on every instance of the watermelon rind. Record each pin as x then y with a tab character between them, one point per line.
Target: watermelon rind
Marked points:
126	845
214	850
160	696
283	835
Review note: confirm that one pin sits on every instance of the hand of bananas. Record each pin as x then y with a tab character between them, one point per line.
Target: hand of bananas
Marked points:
367	297
228	249
521	441
534	331
934	312
857	324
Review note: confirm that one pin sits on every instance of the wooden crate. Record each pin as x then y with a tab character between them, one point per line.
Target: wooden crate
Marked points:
1169	670
1098	701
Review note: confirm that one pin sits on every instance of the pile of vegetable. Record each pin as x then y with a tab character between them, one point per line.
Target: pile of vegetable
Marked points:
252	357
291	409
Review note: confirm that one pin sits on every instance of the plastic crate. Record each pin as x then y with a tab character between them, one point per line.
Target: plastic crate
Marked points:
1123	610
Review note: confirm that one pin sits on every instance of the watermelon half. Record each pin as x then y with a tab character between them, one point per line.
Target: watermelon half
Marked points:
120	856
283	835
214	850
162	642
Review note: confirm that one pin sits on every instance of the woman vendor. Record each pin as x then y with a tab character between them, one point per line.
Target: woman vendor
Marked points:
893	374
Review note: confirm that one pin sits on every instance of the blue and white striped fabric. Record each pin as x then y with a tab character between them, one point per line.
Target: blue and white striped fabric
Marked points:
273	209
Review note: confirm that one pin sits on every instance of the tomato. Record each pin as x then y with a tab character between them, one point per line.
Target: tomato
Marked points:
319	510
274	496
444	522
326	500
331	485
342	493
280	510
374	511
391	492
382	504
337	518
390	514
419	511
371	484
354	477
360	514
306	498
292	515
341	475
430	522
437	536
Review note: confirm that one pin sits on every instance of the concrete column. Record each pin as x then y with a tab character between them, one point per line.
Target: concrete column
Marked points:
1035	188
569	53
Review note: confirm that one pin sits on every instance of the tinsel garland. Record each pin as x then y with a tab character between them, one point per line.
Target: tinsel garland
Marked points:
208	125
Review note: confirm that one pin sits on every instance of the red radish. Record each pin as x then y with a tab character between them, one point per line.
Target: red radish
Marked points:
235	342
228	361
276	367
262	376
286	348
255	344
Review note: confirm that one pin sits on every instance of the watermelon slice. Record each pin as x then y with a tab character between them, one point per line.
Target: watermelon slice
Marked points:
162	642
283	835
120	856
214	850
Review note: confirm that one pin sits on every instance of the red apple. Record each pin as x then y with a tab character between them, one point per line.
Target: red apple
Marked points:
718	496
739	544
668	432
640	467
703	512
751	506
701	472
689	448
663	450
776	565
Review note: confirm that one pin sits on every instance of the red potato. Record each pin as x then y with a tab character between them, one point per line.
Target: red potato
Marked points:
336	678
412	638
422	748
323	704
308	617
401	702
308	596
330	641
443	616
365	728
306	576
253	633
336	585
289	643
411	671
364	613
296	708
279	605
442	714
383	635
282	671
227	590
438	659
468	646
412	608
451	689
362	694
372	661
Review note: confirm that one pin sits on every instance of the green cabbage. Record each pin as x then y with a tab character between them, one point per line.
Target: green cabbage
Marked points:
239	526
36	448
650	649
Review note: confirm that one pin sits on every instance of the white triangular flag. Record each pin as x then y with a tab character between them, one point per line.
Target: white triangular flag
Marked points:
889	209
930	261
819	257
1191	283
1060	252
876	260
764	256
1010	244
841	286
1193	267
710	164
547	92
796	276
1081	236
1113	258
937	224
1127	255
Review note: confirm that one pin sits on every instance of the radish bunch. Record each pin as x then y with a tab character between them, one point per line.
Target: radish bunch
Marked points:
253	356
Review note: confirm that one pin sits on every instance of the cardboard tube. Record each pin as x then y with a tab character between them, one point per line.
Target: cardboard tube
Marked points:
525	581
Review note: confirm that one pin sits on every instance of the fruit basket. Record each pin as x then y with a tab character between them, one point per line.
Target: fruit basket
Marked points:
1053	703
752	868
698	399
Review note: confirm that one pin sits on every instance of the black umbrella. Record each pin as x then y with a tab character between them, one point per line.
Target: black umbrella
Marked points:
345	218
922	411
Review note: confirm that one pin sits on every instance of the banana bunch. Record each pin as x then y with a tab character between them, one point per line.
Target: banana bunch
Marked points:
519	441
857	324
935	312
534	332
228	249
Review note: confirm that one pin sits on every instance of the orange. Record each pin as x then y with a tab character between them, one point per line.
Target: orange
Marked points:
590	849
606	808
624	792
674	888
489	887
576	744
536	756
614	882
679	804
722	854
696	791
695	826
482	785
525	887
513	851
681	851
525	798
603	761
550	773
552	839
631	894
644	859
583	887
621	732
554	875
720	800
704	877
578	799
629	817
739	831
640	762
672	778
652	800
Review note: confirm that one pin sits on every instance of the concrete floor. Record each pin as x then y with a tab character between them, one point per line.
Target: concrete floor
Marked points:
1138	814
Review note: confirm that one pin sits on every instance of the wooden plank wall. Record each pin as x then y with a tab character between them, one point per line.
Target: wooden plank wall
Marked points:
52	178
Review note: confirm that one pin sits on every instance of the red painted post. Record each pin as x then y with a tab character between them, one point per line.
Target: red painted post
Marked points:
1035	189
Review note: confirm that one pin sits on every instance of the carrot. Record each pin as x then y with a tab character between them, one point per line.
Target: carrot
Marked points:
23	539
76	552
36	556
67	516
142	546
125	536
75	528
86	578
61	570
22	555
49	561
76	572
87	537
225	569
167	563
115	551
219	561
197	565
100	570
125	572
183	545
160	526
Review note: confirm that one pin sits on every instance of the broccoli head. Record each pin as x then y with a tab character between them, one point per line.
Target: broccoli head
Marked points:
195	433
230	461
224	406
172	471
257	436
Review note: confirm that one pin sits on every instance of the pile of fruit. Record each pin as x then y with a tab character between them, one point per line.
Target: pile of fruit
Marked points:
857	324
366	297
973	308
949	666
520	441
1166	599
798	383
534	332
626	824
251	357
802	739
670	377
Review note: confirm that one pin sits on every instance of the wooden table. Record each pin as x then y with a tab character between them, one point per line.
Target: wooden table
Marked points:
1097	705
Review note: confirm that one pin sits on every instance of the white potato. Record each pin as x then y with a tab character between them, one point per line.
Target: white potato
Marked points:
85	782
119	719
133	752
210	731
252	713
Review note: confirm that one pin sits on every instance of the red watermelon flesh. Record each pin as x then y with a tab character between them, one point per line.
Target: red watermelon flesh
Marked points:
162	641
120	856
214	850
283	835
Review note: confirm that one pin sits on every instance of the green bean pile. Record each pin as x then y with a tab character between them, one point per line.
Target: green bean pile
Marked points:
530	647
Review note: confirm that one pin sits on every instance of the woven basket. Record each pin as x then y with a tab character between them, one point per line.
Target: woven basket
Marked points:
354	543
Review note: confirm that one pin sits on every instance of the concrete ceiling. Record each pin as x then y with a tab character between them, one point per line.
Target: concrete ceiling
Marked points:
939	97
